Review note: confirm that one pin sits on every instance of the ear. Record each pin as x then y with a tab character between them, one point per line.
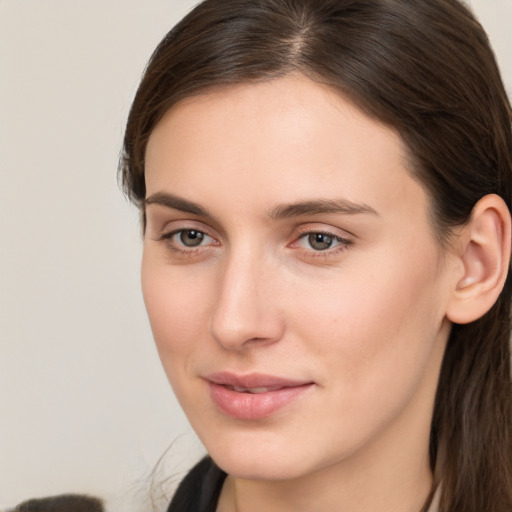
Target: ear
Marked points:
484	257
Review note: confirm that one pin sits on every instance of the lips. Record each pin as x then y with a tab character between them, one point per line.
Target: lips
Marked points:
241	389
254	396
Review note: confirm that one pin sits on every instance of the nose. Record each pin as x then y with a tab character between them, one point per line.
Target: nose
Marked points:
245	312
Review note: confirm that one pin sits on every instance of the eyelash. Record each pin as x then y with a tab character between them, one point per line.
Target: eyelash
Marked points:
342	243
190	251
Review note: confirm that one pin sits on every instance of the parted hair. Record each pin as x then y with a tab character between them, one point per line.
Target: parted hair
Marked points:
424	68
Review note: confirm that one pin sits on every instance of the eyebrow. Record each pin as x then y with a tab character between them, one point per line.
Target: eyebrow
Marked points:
176	203
278	212
320	206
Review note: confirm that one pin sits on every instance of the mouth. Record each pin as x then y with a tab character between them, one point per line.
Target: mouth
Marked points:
254	396
255	391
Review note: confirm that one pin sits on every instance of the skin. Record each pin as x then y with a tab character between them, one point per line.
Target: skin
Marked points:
365	319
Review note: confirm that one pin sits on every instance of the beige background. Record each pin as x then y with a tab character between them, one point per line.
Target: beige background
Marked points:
84	405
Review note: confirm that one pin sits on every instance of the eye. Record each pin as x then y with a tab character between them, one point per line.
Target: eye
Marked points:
320	241
188	238
191	237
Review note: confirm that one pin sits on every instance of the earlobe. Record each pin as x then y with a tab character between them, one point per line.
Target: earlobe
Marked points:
485	258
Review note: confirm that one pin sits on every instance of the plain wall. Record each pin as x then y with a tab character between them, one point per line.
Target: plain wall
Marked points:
84	404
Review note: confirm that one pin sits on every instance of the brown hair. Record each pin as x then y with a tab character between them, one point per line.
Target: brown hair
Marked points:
425	68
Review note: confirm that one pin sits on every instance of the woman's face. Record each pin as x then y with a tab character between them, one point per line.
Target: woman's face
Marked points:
295	291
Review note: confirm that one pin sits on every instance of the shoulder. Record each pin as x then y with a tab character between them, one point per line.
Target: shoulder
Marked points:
199	490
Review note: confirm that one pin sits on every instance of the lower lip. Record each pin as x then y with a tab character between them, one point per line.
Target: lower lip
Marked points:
254	406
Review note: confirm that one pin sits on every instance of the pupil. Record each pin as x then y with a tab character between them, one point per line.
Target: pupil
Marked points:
320	241
191	237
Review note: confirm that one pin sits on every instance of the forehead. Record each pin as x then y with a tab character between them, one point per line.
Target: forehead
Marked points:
278	141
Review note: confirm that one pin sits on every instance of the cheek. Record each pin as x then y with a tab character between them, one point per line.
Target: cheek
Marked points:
176	304
375	329
376	339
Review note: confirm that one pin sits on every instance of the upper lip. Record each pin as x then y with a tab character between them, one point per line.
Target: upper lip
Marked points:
254	380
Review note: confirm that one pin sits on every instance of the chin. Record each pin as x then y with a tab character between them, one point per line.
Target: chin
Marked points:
263	456
258	468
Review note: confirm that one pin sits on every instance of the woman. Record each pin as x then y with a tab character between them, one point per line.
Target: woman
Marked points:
325	194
